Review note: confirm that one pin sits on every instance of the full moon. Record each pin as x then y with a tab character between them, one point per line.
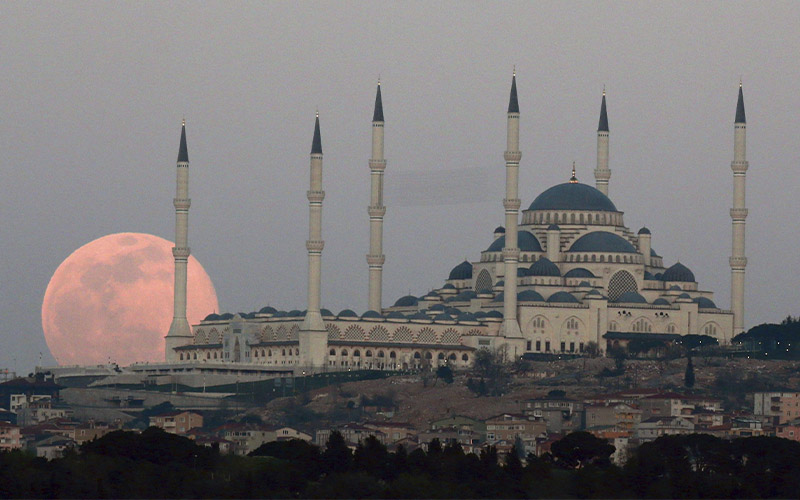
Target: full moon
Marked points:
111	300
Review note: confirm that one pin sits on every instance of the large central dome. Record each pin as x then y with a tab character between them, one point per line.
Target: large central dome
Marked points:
573	196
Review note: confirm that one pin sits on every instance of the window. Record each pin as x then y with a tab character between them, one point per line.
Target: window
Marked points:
547	345
572	347
528	347
538	345
563	346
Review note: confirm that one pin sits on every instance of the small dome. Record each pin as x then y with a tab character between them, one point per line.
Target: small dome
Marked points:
494	314
705	303
453	311
226	316
678	272
294	313
522	272
644	230
563	297
579	272
500	283
466	295
602	241
371	314
395	315
526	242
347	313
462	271
659	276
684	296
544	267
406	301
443	317
593	293
631	298
267	310
437	307
212	317
653	253
649	276
499	297
661	301
466	316
675	287
448	286
553	227
529	296
573	196
326	313
431	294
419	316
279	314
584	284
485	291
480	315
499	230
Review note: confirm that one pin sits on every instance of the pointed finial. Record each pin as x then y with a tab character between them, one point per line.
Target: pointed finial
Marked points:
316	143
514	71
602	125
740	81
379	79
740	118
183	151
573	179
183	122
604	90
317	112
513	103
377	114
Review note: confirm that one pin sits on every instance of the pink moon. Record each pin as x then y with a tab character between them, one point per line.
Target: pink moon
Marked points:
112	300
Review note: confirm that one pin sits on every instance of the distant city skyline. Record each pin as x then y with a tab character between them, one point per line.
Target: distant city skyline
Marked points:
95	93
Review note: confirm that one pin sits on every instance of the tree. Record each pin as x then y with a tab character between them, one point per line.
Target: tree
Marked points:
577	449
688	377
337	456
445	373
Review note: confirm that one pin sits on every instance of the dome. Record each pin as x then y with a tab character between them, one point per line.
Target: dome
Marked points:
544	267
653	253
326	313
593	293
407	301
395	315
371	314
452	310
494	314
226	316
279	314
462	271
584	284
480	315
522	272
419	316
466	295
678	272
485	291
500	229
573	196
659	276
347	313
295	313
661	301
500	283
602	241
529	296
649	276
526	242
499	297
553	227
267	310
437	307
442	317
705	303
466	316
644	230
448	286
563	297
579	272
684	296
675	287
631	298
212	317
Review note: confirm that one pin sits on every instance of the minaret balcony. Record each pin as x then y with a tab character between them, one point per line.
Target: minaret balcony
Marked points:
376	211
513	156
376	260
511	254
739	214
738	262
602	173
182	203
315	196
315	246
511	204
181	252
739	167
377	164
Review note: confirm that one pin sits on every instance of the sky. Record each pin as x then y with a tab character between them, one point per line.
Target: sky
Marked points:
93	94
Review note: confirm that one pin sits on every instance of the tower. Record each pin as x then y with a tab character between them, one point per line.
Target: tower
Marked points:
511	205
738	261
602	173
313	336
179	331
376	209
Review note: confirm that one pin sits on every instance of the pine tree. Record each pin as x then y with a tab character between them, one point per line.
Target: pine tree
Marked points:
688	378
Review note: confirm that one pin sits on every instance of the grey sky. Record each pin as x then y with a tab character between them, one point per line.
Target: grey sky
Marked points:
93	94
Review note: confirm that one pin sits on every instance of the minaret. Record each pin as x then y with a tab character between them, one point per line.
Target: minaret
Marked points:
376	209
602	173
738	261
312	335
179	331
511	204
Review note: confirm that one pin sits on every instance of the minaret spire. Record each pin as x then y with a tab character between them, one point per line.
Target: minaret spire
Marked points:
376	209
179	331
738	261
511	205
602	173
313	336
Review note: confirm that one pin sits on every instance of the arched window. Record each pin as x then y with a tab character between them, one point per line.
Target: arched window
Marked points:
464	358
368	354
440	356
380	354
428	355
452	357
332	352
620	283
181	356
392	355
356	353
417	355
344	352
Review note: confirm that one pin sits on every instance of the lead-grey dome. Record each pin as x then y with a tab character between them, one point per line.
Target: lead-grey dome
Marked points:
631	298
573	196
579	272
678	272
602	241
661	302
705	303
563	297
544	267
406	301
526	242
347	313
462	271
530	296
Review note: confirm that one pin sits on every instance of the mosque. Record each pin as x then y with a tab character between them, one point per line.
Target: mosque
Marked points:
568	277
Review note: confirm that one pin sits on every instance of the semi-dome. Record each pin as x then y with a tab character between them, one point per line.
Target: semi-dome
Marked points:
563	297
602	241
661	301
406	301
522	272
684	295
529	296
526	242
678	272
544	267
462	271
631	298
579	272
573	196
653	253
295	313
705	303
